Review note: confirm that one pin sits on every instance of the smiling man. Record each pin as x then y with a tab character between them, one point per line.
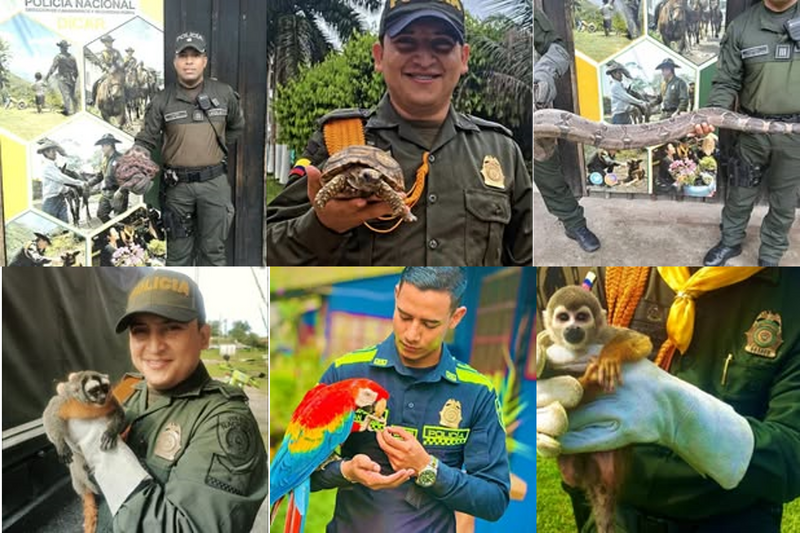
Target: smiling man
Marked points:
444	448
465	177
190	123
194	459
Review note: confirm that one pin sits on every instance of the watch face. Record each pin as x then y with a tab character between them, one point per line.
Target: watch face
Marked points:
426	478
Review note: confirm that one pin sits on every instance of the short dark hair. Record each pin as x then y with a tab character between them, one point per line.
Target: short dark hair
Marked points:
452	280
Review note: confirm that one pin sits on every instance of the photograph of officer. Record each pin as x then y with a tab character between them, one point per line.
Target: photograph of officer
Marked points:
465	177
113	200
33	253
443	447
191	123
758	60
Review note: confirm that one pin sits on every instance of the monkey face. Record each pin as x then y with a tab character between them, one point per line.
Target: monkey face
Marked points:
88	386
573	326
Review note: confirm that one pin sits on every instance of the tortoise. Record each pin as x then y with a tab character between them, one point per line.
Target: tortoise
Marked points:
362	171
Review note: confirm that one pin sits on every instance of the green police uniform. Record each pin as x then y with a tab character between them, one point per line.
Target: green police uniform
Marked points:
746	353
108	202
201	444
760	65
197	209
548	175
476	208
674	97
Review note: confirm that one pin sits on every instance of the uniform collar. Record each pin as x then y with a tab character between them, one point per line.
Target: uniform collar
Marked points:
767	18
387	356
386	116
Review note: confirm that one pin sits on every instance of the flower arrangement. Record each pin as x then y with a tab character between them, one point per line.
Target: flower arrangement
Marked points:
132	255
684	171
157	248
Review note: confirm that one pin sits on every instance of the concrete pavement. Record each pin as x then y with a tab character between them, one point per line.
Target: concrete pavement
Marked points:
645	232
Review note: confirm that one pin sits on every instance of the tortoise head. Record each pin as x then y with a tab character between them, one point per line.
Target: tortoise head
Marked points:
364	178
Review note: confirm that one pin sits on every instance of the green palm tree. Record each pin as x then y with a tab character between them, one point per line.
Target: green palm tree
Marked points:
510	77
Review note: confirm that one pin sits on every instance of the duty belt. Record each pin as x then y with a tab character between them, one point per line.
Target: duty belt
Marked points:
195	174
793	118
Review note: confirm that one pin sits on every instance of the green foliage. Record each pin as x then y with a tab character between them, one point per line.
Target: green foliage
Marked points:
290	378
345	79
511	407
4	57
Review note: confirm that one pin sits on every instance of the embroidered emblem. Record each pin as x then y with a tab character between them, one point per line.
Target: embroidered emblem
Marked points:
755	51
450	415
441	436
783	52
168	443
197	115
764	336
492	173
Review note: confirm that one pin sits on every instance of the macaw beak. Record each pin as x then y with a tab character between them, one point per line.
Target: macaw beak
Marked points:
380	407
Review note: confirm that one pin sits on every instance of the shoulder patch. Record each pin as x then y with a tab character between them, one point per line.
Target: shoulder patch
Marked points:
361	356
489	125
467	374
345	113
239	440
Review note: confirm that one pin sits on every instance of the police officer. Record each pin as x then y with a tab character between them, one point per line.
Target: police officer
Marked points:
759	58
110	61
549	175
729	397
674	97
194	459
66	69
32	254
442	416
471	191
113	199
197	117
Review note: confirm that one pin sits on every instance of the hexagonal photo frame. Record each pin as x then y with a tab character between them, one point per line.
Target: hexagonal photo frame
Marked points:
692	28
69	174
122	72
41	89
33	239
134	240
604	27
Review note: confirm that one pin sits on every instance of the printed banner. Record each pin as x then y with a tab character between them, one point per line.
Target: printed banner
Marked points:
75	79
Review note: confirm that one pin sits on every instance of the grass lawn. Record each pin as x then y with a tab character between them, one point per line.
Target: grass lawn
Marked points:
27	123
554	511
273	188
320	512
251	362
599	47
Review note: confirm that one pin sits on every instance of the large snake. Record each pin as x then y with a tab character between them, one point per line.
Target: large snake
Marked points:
552	124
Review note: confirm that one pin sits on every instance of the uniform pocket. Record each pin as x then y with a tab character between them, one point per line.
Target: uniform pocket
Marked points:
488	213
746	381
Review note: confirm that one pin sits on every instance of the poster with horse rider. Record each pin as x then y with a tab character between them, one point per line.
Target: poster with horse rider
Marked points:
75	78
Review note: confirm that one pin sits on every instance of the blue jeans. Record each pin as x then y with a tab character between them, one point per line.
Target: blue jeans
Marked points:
56	206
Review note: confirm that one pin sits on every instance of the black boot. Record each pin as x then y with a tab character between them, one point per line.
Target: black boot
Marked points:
587	240
767	262
719	254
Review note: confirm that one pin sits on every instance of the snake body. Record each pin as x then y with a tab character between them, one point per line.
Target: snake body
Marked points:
552	124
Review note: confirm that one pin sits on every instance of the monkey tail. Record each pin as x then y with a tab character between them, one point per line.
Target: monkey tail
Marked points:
609	471
603	500
89	512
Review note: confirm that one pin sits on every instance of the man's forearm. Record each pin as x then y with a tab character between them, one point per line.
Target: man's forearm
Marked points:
471	494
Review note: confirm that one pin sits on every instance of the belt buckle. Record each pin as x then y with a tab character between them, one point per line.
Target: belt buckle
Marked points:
193	176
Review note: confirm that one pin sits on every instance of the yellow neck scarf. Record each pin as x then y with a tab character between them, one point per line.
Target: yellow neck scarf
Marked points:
687	287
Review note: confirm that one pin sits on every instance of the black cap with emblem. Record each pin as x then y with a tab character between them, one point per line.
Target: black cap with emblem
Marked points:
398	14
190	39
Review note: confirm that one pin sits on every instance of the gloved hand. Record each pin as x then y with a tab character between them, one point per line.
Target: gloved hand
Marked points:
653	406
546	71
553	397
117	471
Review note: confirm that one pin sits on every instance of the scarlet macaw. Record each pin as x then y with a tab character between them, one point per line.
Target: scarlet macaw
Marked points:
323	420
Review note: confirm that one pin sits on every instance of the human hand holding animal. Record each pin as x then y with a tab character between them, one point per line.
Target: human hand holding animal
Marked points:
653	406
403	449
362	469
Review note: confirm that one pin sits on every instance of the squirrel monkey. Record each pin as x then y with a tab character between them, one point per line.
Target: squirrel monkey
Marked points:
579	342
84	395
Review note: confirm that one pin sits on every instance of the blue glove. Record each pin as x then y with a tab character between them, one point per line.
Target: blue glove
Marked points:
653	406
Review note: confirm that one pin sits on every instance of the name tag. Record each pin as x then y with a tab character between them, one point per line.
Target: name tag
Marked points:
755	51
218	112
176	115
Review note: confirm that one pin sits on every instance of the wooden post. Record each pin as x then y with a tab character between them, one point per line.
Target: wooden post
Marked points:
237	51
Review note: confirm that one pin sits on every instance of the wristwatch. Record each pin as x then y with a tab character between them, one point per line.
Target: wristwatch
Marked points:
427	476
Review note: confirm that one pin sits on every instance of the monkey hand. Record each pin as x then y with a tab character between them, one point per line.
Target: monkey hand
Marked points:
66	455
108	440
653	406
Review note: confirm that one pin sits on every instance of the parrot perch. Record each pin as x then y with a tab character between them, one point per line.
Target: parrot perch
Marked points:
323	420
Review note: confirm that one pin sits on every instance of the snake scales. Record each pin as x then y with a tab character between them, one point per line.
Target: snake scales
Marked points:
552	124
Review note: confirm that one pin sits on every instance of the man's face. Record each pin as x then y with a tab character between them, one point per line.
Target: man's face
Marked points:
41	244
189	65
421	66
667	72
421	321
780	5
166	352
50	154
107	149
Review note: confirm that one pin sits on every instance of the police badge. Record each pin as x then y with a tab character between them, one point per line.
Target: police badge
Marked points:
450	415
764	336
168	443
492	173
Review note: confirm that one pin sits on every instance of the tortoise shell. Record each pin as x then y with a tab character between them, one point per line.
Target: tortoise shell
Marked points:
362	156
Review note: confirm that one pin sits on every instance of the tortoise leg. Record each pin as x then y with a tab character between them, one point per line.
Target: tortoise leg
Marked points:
329	190
389	195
